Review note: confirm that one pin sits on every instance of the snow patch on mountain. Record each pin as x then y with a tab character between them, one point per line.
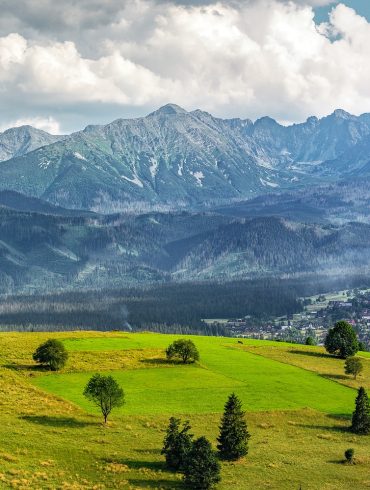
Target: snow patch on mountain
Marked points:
79	156
198	176
269	184
135	180
153	167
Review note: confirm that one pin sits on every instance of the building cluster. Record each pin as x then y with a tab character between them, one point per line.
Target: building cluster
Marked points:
318	316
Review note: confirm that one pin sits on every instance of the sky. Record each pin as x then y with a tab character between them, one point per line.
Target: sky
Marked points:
67	64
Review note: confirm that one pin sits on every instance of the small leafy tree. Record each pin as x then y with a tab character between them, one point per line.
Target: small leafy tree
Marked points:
353	365
202	469
52	354
233	438
361	415
183	350
105	393
349	455
177	444
341	340
362	346
310	341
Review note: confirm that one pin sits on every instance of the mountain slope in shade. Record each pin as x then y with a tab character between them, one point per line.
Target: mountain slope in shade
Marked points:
19	141
174	158
40	252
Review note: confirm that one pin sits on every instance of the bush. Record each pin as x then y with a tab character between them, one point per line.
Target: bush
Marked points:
349	454
202	469
52	354
177	444
341	340
184	350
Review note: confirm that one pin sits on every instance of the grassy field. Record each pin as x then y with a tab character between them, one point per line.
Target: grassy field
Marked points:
298	402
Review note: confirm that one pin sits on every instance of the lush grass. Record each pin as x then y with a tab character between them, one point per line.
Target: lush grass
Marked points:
262	383
46	442
313	359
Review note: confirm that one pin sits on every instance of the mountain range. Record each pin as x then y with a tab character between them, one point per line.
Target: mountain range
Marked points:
183	196
175	159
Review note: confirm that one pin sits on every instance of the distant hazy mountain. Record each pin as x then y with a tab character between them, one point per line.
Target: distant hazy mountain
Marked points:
41	252
173	158
16	142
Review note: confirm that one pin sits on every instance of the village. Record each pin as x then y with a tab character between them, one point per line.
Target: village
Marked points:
319	313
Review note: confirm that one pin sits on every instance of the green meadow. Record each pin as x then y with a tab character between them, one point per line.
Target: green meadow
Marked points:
262	383
297	398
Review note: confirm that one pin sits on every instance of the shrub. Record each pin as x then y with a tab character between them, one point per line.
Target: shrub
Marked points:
52	354
349	454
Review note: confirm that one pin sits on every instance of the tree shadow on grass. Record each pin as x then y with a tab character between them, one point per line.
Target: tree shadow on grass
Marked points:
330	428
311	354
340	416
160	483
163	362
148	451
27	367
336	376
134	464
50	421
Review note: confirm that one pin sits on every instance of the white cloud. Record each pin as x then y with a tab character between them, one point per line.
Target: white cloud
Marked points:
232	58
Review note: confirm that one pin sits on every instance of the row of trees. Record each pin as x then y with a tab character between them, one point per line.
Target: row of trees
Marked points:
196	458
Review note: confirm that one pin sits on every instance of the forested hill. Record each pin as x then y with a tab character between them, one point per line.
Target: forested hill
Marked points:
43	252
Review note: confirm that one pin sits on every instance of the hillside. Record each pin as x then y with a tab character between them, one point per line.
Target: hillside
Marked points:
173	158
287	408
45	252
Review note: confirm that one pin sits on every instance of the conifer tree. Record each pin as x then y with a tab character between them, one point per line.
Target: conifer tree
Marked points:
177	444
234	435
202	469
361	415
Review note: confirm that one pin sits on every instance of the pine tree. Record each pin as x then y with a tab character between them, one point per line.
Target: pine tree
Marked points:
361	415
202	469
177	444
233	438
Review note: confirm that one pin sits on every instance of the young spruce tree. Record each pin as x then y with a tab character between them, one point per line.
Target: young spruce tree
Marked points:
361	415
234	435
177	444
202	469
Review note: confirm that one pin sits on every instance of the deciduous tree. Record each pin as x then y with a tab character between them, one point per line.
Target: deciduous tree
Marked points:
183	350
52	354
105	393
353	365
341	340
